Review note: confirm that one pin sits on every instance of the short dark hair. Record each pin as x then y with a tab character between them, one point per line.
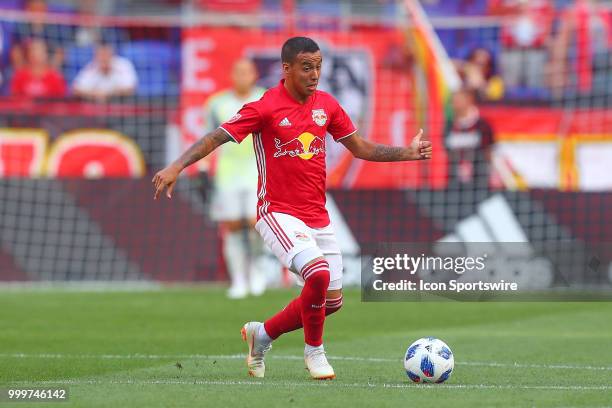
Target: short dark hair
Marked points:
296	45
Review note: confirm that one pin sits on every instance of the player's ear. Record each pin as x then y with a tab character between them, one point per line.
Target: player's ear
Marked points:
286	67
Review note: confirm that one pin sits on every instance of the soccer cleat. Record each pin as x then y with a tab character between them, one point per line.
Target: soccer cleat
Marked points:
257	349
317	365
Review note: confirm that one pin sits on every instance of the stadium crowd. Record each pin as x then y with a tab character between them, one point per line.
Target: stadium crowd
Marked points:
537	51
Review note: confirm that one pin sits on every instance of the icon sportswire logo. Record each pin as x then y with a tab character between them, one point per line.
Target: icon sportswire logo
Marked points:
305	146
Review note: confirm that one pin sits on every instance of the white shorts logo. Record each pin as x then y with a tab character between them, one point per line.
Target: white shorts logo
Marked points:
301	236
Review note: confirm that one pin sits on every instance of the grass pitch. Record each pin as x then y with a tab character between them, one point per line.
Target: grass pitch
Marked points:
182	347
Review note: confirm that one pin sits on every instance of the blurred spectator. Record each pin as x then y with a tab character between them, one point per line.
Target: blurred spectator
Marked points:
107	76
525	36
478	74
580	62
468	139
235	196
38	78
51	34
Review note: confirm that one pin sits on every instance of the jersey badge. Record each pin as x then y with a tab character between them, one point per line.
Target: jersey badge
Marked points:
319	116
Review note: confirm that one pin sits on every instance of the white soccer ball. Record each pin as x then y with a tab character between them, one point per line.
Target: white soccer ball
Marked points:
429	360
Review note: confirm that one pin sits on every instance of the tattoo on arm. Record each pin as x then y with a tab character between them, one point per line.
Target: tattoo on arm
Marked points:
203	147
384	153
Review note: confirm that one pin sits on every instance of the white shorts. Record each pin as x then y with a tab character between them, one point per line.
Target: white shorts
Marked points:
286	236
232	205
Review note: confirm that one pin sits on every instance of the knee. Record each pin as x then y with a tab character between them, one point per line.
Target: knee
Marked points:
317	274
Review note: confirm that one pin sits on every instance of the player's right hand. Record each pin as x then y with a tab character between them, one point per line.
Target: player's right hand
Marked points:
165	178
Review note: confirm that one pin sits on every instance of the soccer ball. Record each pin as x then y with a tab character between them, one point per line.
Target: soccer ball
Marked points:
429	360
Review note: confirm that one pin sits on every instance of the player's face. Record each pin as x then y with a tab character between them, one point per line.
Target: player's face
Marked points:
304	72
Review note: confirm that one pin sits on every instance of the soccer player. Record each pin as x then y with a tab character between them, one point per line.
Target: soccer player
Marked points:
289	124
235	195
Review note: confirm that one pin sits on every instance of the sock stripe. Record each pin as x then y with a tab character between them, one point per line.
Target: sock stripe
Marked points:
311	268
333	302
317	264
313	271
315	267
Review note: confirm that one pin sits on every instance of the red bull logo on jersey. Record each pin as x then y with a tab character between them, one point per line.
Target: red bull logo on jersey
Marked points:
305	146
319	116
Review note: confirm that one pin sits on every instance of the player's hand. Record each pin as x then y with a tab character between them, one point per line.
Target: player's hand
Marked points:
165	178
420	149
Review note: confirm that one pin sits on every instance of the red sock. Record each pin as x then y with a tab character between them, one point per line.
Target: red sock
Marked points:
333	305
316	277
288	319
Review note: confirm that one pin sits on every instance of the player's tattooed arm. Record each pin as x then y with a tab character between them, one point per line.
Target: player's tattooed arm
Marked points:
367	150
203	147
166	178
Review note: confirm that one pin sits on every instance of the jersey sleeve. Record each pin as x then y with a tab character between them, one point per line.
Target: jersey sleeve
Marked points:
341	125
246	121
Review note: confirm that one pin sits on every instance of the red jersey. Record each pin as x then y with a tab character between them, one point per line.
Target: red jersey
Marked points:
50	84
289	141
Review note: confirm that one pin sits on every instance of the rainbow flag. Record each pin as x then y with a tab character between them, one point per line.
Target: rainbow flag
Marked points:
435	78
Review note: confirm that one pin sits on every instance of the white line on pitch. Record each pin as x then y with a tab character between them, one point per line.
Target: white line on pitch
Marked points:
316	384
288	357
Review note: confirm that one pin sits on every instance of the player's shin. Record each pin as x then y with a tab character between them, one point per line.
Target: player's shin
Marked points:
285	321
290	318
316	278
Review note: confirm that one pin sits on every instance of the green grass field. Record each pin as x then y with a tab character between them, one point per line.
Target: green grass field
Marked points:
182	347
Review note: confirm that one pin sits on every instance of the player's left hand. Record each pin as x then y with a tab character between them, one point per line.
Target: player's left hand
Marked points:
420	149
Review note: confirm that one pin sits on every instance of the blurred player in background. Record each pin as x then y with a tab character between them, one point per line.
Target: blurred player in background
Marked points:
235	186
469	139
289	124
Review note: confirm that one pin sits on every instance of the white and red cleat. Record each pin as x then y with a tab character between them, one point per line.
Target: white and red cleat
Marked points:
318	366
257	349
